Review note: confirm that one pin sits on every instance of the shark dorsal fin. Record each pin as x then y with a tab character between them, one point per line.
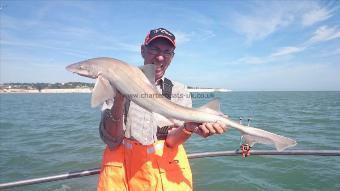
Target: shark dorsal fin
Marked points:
149	72
212	106
101	92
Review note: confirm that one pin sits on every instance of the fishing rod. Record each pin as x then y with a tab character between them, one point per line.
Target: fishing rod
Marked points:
94	171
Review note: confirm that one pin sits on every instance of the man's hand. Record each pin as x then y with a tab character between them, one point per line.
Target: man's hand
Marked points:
206	129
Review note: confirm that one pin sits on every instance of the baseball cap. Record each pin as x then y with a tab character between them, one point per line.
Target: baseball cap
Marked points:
160	33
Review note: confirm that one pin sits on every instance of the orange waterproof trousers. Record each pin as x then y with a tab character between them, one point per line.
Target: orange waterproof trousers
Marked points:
135	167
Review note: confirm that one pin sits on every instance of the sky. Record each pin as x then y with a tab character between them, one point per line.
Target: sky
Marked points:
239	45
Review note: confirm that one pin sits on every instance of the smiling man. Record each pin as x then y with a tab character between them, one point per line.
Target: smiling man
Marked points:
143	152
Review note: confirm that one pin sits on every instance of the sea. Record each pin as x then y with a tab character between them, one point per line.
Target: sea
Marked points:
50	134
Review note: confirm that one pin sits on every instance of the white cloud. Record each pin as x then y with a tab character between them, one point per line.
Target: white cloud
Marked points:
184	37
337	51
316	15
270	17
280	54
121	46
181	37
129	47
287	50
252	60
20	43
203	34
323	34
259	27
283	77
62	35
263	20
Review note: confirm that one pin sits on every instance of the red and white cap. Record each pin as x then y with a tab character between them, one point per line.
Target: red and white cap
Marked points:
160	33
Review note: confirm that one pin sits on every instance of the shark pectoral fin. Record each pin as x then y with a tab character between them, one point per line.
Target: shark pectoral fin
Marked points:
251	140
149	72
213	107
256	135
102	91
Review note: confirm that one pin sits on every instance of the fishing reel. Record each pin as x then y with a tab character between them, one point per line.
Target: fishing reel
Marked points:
245	147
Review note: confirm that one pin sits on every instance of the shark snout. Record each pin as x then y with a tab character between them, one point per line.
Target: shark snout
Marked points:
82	70
73	68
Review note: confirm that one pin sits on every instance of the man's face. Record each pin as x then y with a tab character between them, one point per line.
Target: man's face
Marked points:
160	53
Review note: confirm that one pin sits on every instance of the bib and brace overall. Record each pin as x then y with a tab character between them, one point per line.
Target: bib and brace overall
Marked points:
156	167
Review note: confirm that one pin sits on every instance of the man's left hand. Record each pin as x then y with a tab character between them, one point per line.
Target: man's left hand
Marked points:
207	129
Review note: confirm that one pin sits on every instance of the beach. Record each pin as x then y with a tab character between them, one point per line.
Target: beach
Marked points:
88	90
72	90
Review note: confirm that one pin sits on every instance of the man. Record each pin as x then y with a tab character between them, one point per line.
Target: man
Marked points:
143	152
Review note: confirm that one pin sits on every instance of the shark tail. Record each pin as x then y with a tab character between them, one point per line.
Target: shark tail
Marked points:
250	135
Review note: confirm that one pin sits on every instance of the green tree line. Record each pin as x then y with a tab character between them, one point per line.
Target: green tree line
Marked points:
40	86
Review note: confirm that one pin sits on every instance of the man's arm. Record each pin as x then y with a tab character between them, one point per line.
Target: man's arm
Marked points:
112	123
180	134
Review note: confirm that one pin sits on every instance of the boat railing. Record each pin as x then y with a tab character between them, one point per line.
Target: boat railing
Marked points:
94	171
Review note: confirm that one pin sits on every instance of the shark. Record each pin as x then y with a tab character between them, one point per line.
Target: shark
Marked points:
114	75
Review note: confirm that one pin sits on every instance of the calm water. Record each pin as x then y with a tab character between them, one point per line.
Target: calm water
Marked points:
49	134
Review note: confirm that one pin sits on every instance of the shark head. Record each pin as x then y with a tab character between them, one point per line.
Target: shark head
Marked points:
85	68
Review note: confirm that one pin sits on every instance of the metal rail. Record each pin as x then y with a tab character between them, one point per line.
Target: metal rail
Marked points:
267	152
89	172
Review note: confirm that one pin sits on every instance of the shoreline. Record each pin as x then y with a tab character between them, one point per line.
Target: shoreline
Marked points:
35	91
89	90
